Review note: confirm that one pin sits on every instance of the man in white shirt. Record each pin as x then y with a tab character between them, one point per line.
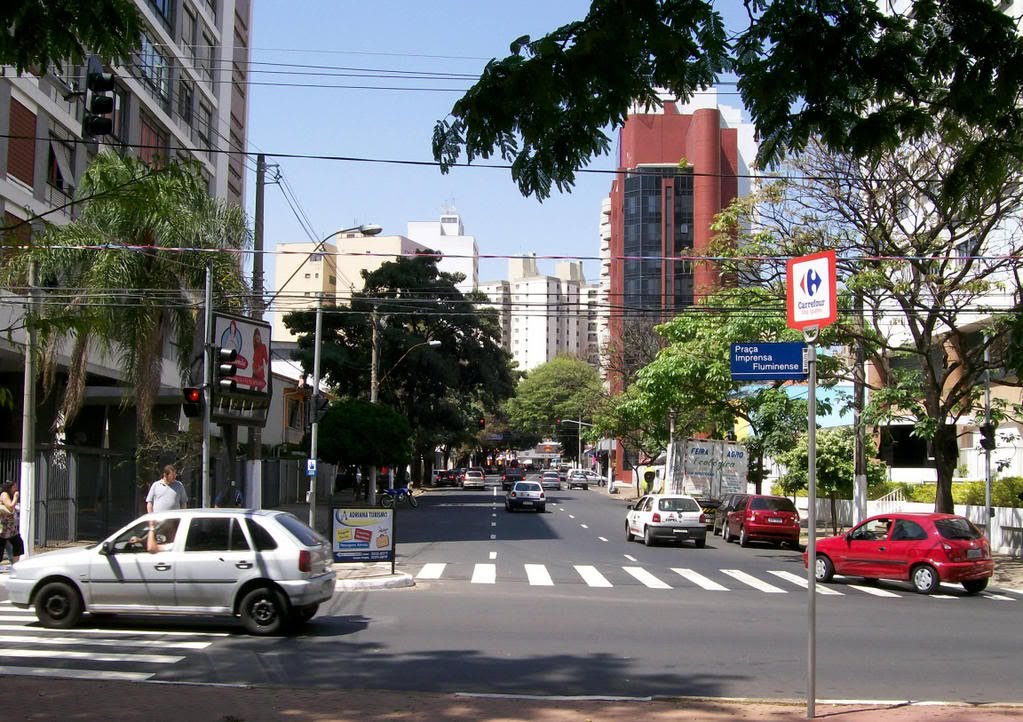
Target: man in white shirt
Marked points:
167	492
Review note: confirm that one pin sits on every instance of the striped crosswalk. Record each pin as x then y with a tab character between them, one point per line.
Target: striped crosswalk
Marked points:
27	649
770	581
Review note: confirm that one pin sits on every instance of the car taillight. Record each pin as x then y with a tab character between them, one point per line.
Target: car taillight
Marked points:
513	494
305	561
954	553
541	495
656	518
703	518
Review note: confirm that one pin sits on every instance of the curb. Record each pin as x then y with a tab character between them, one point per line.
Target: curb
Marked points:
399	580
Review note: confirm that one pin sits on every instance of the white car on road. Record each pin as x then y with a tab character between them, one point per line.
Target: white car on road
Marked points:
666	517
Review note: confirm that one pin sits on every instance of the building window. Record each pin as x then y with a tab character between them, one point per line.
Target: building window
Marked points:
189	23
152	141
155	69
204	123
185	97
21	147
60	167
165	9
308	275
119	117
205	54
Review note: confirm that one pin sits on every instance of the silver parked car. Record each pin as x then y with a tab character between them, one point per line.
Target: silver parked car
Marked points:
550	479
525	495
265	567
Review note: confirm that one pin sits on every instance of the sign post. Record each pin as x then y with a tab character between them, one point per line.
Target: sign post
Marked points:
811	304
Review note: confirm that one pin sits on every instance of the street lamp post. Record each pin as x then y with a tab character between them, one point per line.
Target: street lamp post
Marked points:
374	384
366	230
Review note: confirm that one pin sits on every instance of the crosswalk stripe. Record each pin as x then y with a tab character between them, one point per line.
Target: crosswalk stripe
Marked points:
646	578
538	575
95	630
432	570
802	582
58	673
86	642
998	597
93	656
484	574
753	581
700	580
592	577
874	590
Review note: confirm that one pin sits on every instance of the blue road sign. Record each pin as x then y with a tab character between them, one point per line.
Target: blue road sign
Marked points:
769	361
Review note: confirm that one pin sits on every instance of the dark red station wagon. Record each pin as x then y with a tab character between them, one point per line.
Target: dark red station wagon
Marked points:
925	549
763	518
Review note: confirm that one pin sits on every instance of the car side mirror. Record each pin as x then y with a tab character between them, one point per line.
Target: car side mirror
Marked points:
107	549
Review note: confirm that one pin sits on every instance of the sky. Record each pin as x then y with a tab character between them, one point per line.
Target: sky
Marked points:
440	36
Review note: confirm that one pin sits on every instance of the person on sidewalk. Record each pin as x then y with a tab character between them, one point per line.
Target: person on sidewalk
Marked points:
11	545
167	493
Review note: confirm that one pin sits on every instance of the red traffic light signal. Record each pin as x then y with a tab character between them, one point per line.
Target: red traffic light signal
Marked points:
482	422
191	401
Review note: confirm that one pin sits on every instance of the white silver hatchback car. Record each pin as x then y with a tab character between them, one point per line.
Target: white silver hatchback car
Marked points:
674	517
265	567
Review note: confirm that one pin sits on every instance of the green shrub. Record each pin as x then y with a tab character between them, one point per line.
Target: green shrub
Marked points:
1004	492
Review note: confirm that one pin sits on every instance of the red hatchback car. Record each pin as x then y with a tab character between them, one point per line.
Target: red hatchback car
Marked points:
925	549
763	518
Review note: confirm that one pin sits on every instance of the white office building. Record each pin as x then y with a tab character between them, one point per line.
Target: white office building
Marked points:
459	251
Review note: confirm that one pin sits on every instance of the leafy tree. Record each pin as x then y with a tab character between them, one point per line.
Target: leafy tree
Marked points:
44	32
563	388
834	468
930	273
356	432
115	284
861	79
441	390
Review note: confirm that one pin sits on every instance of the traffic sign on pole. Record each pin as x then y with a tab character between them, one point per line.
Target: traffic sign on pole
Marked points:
811	296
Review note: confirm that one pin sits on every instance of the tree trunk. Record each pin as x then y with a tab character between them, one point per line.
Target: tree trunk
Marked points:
834	513
945	459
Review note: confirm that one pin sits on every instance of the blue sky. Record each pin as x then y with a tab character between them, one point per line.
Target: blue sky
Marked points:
441	36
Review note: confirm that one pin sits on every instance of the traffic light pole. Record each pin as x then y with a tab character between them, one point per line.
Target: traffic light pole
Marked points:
207	389
987	447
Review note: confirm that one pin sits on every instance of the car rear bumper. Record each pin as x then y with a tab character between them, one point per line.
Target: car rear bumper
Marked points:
965	571
302	592
679	532
765	532
526	503
473	485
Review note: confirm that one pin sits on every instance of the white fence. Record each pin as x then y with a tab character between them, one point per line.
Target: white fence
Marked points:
1006	524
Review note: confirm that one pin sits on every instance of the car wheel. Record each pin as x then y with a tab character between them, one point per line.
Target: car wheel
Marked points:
823	569
58	605
648	536
629	536
701	543
743	537
925	579
264	611
725	536
973	586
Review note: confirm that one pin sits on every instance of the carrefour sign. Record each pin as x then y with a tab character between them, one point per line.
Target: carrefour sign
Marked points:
812	300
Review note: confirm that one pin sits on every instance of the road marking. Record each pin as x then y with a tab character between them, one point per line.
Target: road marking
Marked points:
603	539
484	574
998	597
802	582
875	591
493	555
584	526
571	516
629	557
493	523
95	656
433	570
646	578
93	630
538	575
75	673
592	577
493	536
85	641
753	581
700	580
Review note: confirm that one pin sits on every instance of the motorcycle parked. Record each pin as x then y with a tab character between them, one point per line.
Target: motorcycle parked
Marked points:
390	497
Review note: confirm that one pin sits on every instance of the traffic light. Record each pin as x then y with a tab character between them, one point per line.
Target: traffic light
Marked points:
482	422
320	404
99	107
225	370
191	402
557	424
987	437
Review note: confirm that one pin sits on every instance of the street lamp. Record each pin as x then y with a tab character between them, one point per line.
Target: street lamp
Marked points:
374	385
368	229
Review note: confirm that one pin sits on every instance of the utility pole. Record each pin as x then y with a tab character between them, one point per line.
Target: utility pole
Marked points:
859	397
27	485
255	432
989	513
207	389
374	393
314	403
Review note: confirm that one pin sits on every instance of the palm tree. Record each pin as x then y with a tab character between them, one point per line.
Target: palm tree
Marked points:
122	277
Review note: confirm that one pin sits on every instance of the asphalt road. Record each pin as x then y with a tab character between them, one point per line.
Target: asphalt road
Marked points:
560	604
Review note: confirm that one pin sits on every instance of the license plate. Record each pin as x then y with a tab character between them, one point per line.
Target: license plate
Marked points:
527	503
775	520
682	531
974	553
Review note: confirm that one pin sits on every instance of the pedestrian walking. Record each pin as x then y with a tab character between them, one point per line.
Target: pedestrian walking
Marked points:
11	544
167	492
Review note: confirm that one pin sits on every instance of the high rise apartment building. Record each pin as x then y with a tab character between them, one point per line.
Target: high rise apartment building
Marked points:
679	165
182	95
459	253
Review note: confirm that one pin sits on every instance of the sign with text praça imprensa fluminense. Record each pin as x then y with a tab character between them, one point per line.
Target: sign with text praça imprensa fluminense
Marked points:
755	361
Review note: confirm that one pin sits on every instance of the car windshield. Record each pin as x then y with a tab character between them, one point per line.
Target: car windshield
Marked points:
300	531
527	487
957	528
550	474
772	503
678	503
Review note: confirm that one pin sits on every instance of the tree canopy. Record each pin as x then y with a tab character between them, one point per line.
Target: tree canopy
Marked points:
354	431
861	79
38	33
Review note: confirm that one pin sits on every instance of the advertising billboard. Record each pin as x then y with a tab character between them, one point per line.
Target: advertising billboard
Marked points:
246	402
